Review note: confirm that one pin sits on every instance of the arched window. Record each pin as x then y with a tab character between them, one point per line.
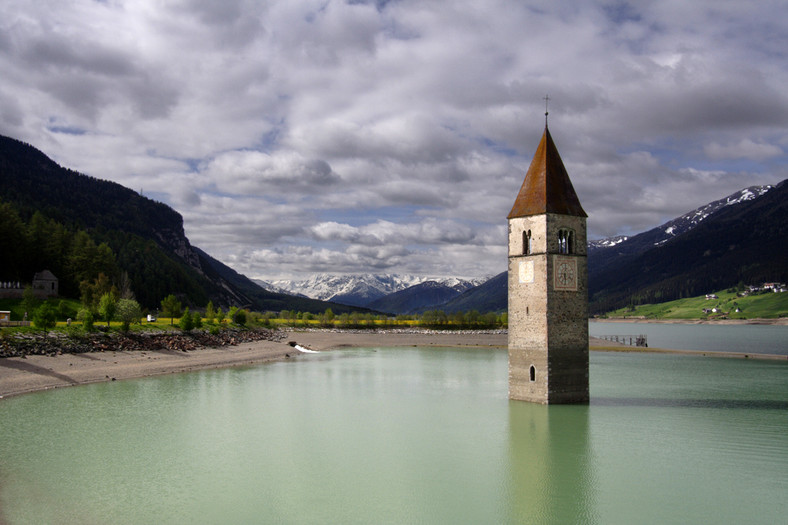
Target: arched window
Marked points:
565	241
533	373
527	242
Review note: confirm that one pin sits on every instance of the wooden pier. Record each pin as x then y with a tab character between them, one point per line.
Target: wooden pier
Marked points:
629	340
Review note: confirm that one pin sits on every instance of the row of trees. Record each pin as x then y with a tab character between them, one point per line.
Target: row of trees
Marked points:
171	307
429	319
42	243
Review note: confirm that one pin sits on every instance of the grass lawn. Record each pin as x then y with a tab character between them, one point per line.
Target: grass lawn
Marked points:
767	305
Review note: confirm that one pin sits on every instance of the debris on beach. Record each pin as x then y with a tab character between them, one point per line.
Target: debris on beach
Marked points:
54	344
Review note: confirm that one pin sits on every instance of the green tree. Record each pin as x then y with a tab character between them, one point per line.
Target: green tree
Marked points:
187	321
124	284
40	232
91	292
29	300
13	243
63	310
108	306
239	317
219	316
79	262
129	311
197	320
86	317
210	313
490	319
45	317
170	307
355	319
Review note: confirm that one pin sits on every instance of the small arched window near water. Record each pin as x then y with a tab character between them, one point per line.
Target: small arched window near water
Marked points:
533	373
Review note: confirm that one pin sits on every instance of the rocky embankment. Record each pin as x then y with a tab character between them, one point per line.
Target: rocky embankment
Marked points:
59	343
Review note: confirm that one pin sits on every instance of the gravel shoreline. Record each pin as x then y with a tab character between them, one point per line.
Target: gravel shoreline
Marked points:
110	358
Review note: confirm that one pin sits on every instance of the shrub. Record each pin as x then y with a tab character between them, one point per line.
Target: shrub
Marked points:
108	306
187	321
45	317
239	317
170	307
210	313
86	317
128	311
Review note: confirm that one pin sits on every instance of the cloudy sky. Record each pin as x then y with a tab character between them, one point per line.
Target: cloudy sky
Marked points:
302	136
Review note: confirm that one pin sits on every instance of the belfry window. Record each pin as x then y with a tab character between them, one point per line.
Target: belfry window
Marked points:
533	373
527	242
565	241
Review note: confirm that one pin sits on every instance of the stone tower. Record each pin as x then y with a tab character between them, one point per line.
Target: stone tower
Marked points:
548	285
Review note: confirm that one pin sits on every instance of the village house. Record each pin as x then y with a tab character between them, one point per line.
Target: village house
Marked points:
45	284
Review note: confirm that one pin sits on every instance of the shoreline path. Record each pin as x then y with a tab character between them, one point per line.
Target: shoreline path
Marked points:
20	375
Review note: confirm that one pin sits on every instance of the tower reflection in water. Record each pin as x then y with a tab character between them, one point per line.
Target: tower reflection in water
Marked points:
550	475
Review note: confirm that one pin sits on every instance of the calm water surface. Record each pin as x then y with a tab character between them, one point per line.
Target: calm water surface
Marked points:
404	436
758	339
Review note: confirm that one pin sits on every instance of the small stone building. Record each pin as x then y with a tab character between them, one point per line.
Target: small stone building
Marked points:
45	284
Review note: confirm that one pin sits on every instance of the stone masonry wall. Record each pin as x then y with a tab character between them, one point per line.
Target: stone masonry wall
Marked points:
548	328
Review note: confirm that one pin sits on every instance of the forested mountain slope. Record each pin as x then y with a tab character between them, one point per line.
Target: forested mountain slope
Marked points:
743	243
78	226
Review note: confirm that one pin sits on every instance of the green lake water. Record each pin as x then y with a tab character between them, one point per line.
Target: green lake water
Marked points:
404	435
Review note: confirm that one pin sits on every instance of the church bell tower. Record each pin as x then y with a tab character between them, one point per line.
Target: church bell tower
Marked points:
548	285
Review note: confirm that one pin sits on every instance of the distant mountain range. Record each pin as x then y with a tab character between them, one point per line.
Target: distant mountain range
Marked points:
382	292
677	226
742	237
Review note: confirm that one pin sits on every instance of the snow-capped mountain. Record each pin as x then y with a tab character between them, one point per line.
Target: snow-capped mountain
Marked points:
607	242
358	289
686	222
738	239
266	285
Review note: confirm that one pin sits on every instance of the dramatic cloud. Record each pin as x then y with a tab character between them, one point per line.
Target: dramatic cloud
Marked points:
301	136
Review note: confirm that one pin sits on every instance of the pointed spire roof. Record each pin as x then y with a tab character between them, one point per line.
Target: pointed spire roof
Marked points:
546	188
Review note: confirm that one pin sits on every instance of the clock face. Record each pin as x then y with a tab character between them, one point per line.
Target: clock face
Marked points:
526	271
565	274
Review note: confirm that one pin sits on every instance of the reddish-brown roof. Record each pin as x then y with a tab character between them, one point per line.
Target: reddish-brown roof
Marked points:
546	188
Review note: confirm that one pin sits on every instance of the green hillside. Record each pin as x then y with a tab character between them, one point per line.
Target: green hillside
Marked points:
742	243
79	228
764	306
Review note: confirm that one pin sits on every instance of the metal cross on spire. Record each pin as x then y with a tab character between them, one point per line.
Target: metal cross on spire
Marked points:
546	99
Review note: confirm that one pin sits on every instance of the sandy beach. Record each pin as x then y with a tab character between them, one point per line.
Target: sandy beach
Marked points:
19	375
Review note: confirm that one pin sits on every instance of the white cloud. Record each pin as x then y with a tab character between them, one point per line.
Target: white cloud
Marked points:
323	135
744	149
